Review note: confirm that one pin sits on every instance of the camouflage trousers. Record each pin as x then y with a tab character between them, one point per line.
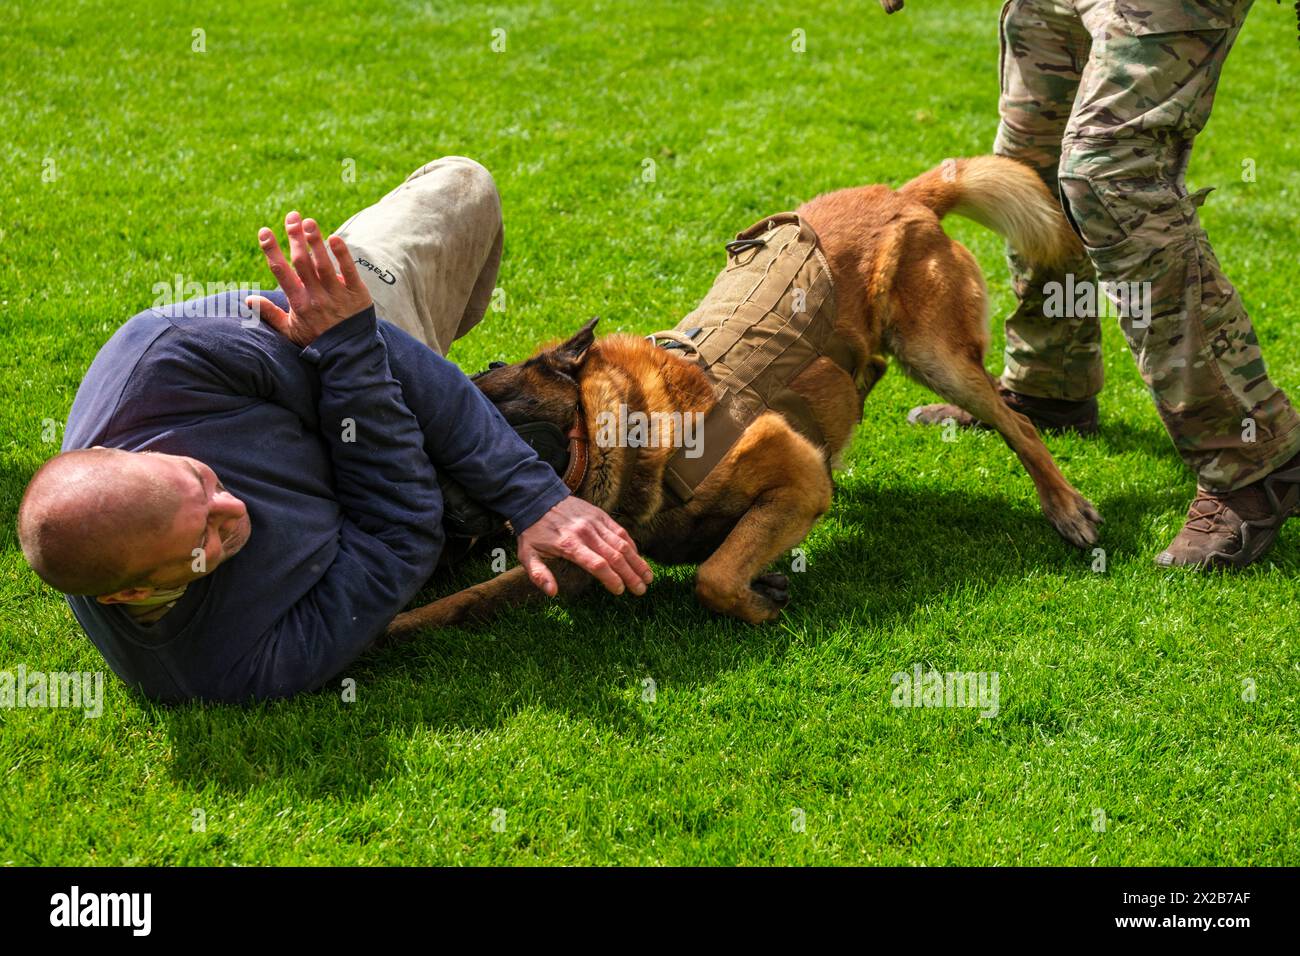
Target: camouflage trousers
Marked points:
1104	99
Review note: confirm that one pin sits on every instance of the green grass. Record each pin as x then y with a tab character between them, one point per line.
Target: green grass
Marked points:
1120	691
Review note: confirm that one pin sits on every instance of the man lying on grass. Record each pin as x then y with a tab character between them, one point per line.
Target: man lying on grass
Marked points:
247	490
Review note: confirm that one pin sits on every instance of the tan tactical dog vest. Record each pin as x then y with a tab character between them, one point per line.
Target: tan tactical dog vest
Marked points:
770	313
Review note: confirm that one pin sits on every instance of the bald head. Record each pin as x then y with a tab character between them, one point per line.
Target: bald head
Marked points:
88	518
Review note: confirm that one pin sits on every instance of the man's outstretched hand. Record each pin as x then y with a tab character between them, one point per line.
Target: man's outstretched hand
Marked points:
319	297
584	535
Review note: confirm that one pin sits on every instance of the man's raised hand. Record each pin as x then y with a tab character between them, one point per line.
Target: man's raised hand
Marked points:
319	298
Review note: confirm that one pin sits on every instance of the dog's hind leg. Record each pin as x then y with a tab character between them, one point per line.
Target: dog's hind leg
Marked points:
1069	512
942	345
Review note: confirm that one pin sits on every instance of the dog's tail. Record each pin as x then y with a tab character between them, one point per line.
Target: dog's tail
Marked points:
1004	195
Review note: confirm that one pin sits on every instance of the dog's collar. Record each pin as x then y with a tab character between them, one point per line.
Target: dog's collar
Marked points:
576	470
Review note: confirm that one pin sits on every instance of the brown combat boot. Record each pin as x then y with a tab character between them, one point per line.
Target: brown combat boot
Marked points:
1047	414
1234	529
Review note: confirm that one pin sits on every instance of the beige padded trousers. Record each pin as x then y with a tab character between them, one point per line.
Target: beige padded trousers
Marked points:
429	250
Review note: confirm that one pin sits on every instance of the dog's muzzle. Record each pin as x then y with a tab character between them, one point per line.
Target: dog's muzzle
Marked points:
464	520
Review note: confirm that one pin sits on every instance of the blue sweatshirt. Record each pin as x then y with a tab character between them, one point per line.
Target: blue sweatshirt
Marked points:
344	532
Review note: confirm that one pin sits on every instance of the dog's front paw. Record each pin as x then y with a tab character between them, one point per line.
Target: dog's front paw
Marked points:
774	587
767	595
757	602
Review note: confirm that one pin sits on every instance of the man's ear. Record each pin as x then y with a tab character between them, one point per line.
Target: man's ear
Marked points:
569	355
126	595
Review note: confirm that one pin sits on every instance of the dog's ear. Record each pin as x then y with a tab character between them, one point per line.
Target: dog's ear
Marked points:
568	356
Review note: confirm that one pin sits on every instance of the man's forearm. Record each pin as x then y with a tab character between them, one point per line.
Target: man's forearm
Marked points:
384	480
466	437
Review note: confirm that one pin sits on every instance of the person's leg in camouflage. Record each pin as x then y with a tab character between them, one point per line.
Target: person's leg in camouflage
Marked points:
1145	93
1044	49
1053	362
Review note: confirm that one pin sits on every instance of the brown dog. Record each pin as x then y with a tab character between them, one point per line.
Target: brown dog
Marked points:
903	288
